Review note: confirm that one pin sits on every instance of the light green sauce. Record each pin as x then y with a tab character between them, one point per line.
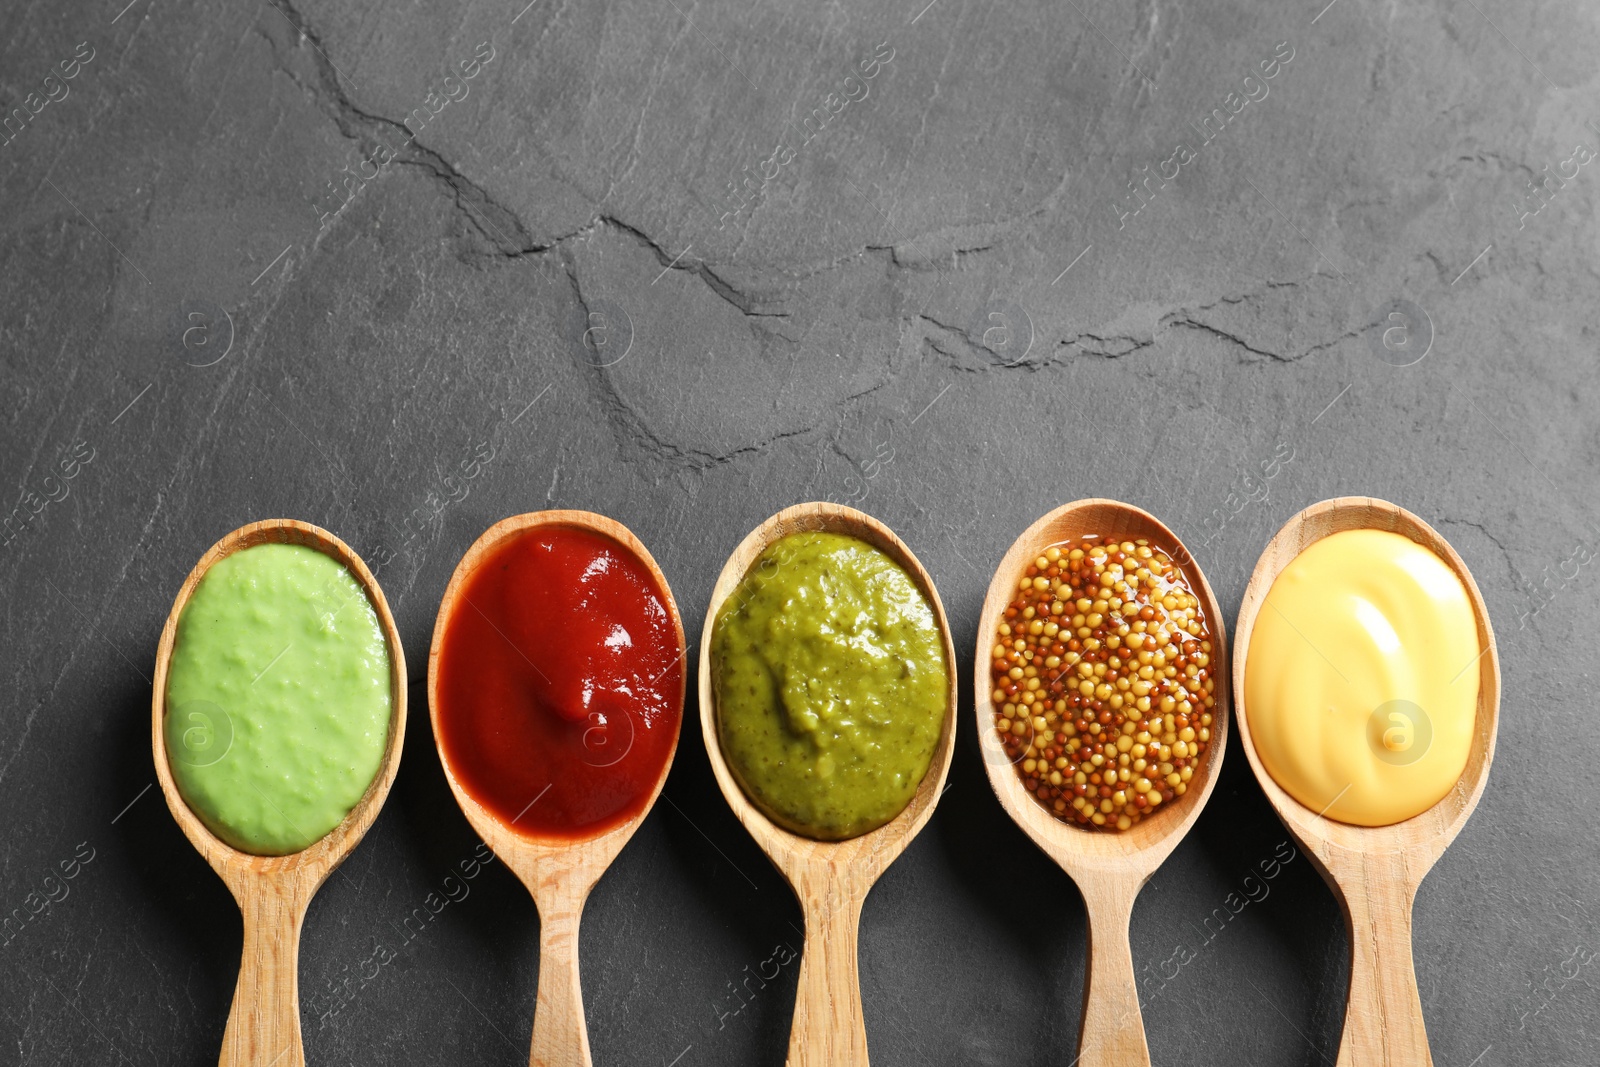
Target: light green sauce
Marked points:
278	698
831	685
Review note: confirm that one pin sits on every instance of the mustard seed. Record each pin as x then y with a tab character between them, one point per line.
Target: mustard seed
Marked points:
1119	696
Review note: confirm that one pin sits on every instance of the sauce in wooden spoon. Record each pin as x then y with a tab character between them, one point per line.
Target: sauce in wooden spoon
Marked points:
273	891
556	685
1109	868
831	878
1375	870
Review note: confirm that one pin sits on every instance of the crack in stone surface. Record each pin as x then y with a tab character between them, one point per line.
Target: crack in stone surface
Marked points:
1187	322
745	303
357	124
1102	345
1510	557
633	429
497	224
1117	346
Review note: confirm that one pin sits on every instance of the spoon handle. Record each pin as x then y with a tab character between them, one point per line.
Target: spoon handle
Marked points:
264	1025
1383	1025
1113	1027
829	1030
560	1035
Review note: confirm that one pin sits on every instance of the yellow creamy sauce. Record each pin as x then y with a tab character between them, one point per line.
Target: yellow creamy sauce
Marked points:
1361	688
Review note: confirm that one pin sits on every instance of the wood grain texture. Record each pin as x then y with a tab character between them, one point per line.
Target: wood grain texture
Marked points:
830	878
1108	868
559	874
1375	871
273	891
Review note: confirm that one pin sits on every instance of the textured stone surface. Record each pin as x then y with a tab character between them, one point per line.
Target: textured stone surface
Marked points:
889	320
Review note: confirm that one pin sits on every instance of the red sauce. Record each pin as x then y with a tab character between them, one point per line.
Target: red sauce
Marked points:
560	683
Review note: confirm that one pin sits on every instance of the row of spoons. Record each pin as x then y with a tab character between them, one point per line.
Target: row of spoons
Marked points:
1375	872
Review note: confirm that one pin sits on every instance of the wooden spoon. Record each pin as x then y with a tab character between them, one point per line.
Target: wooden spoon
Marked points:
831	878
1375	871
1109	868
274	891
558	873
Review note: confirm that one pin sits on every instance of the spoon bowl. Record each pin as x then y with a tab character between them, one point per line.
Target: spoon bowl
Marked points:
273	892
1375	871
558	873
830	878
1109	867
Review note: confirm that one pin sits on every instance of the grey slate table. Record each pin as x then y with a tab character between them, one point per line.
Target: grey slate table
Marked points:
685	263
